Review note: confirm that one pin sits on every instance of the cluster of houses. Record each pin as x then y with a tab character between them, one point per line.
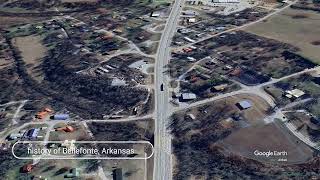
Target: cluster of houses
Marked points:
30	134
47	112
33	133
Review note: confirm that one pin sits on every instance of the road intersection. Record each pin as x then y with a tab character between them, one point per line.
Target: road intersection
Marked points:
163	154
163	158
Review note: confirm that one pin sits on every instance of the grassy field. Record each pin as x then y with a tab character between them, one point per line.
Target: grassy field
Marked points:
264	138
32	52
297	27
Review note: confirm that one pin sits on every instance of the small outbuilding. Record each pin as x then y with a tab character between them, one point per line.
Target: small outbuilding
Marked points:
191	116
295	93
192	20
15	136
155	14
188	96
60	117
245	104
220	87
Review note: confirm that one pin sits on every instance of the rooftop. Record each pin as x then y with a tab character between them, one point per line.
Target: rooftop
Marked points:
188	96
296	93
245	104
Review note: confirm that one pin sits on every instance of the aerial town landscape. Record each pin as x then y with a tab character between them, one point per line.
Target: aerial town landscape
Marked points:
159	89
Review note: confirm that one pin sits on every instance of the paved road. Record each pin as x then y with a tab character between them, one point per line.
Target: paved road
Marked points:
255	90
163	166
131	118
163	163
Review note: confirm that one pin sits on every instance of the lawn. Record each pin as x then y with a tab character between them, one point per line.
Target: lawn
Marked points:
300	32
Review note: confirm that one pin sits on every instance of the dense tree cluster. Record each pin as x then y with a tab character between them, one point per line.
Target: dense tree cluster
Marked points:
84	95
91	94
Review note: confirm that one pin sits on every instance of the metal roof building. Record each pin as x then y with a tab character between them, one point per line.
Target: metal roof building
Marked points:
61	117
245	104
188	96
33	133
295	93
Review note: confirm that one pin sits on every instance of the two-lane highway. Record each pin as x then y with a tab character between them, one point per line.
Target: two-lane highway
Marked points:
163	162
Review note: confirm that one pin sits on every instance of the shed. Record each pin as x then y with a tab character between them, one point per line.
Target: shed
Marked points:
155	14
61	117
192	116
192	20
245	104
295	93
189	39
15	136
220	87
188	96
191	59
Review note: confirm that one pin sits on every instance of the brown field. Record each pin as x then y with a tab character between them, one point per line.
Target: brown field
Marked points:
256	113
32	52
271	137
253	115
300	32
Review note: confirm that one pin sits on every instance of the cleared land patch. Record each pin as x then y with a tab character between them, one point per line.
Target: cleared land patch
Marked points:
216	140
300	32
32	52
266	138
